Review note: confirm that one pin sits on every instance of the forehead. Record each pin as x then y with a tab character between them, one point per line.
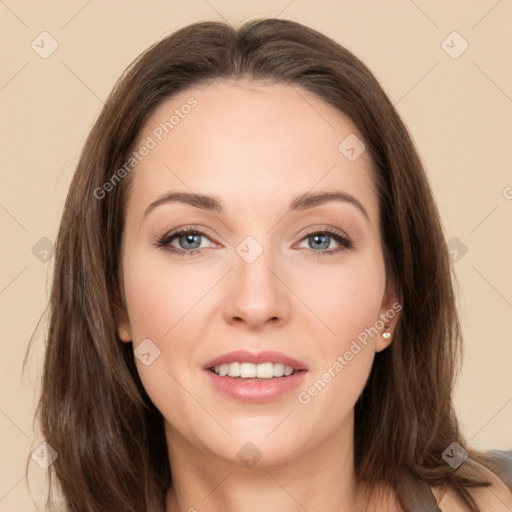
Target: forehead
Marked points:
252	144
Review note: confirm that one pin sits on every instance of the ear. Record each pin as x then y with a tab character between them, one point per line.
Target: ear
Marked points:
388	316
121	319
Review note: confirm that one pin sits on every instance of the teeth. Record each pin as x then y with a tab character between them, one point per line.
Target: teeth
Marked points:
264	371
250	370
234	370
279	370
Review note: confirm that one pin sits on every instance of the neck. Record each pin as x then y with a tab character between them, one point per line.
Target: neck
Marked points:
321	477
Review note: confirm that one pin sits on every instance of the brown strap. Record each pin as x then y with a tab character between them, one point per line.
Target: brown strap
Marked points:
417	495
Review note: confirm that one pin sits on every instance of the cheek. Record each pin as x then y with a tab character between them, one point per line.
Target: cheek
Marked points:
348	302
346	299
158	294
160	301
167	304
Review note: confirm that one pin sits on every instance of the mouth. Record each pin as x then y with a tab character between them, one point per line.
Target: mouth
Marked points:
242	364
255	377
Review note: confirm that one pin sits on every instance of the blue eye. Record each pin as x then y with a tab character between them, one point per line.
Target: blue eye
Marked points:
322	240
189	239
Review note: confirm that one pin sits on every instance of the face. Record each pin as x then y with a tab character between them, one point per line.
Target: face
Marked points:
296	284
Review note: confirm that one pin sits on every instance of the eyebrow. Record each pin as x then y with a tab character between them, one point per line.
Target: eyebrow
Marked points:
302	202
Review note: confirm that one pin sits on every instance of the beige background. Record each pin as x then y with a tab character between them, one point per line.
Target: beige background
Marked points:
457	109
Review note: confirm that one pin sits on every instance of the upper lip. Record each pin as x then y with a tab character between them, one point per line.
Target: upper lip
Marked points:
267	356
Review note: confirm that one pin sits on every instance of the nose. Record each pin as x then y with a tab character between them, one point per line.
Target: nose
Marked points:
255	293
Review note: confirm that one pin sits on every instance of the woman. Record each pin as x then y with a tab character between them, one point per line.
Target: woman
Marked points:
252	305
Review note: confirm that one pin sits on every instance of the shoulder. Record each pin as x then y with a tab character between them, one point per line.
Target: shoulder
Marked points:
495	498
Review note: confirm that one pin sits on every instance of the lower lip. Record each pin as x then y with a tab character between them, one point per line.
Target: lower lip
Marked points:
256	391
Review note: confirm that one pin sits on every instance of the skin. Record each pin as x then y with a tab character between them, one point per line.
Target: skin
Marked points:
255	148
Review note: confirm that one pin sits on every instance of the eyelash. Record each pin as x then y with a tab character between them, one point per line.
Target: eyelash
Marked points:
164	241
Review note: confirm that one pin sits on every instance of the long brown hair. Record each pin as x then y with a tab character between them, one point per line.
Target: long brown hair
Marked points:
93	409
